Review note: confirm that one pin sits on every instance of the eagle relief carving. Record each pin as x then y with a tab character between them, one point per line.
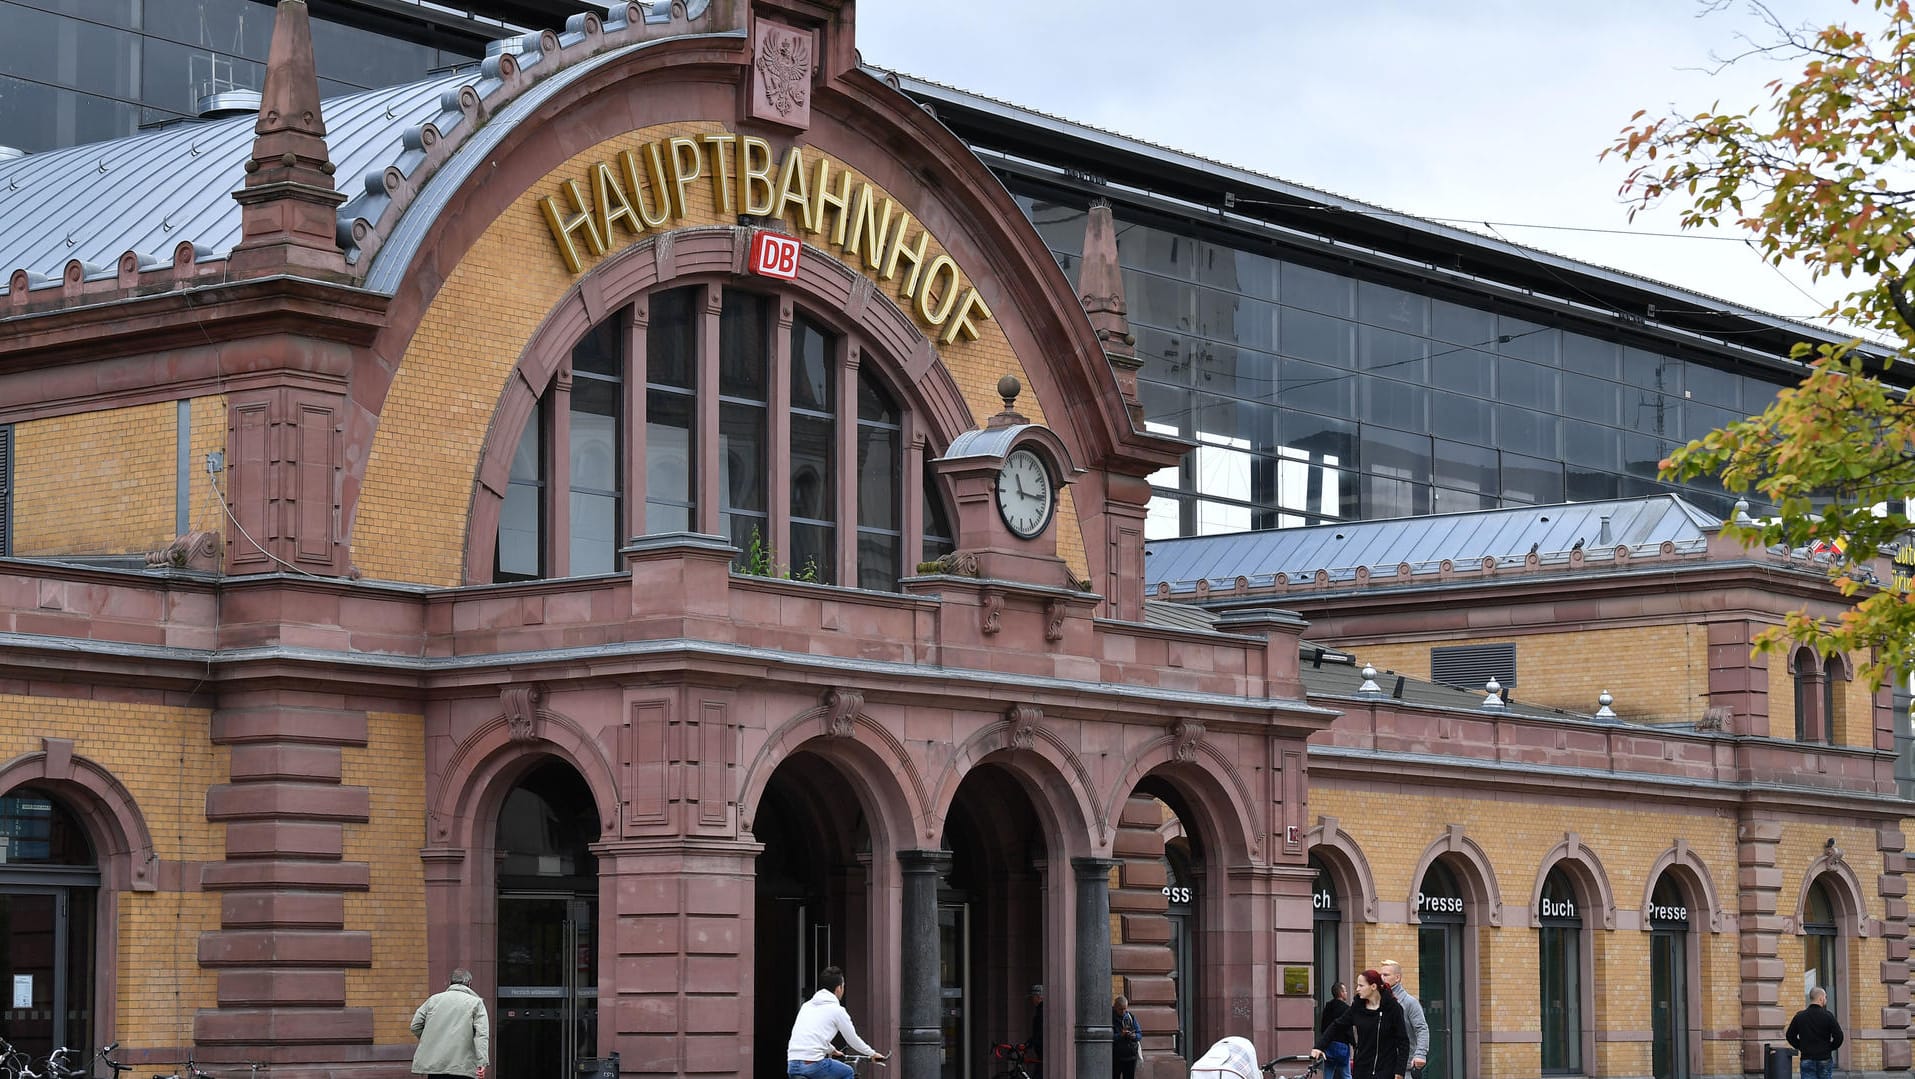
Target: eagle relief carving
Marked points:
781	66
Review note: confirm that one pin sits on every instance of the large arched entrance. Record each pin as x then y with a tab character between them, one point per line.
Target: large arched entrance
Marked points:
812	903
547	1009
991	918
1157	903
49	887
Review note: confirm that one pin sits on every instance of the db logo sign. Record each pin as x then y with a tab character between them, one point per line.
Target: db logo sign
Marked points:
773	255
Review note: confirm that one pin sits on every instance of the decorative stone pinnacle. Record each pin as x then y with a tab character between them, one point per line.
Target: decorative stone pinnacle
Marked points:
1603	701
1492	696
1369	685
1008	388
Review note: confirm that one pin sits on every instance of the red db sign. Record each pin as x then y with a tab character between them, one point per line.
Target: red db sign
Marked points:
773	255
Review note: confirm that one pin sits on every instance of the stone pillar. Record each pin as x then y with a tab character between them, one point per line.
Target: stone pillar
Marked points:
1092	1023
683	914
283	949
1893	887
920	1036
1140	956
1758	889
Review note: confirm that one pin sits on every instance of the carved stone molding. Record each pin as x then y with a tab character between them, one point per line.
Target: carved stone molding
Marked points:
1054	619
841	710
781	67
520	703
993	611
1184	736
1023	719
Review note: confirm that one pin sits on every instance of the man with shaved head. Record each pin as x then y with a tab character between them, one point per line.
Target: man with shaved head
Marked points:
1419	1025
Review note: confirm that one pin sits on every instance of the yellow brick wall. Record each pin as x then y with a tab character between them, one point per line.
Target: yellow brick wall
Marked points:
163	758
208	433
1654	672
411	521
95	482
1517	835
1854	706
392	766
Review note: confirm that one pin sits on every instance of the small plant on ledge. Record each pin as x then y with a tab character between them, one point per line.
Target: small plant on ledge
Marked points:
760	560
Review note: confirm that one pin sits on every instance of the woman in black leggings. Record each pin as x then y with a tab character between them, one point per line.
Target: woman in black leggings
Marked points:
1375	1024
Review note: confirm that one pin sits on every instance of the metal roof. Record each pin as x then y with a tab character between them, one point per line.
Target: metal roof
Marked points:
1424	543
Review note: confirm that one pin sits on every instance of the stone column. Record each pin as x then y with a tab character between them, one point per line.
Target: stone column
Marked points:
920	1037
1893	887
1092	1023
1758	892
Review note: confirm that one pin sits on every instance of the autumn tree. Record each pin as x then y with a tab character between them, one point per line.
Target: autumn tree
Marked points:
1822	175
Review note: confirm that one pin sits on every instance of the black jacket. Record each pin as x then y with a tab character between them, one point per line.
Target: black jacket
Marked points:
1333	1010
1815	1033
1381	1039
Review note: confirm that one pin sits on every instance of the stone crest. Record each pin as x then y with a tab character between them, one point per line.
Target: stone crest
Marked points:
782	60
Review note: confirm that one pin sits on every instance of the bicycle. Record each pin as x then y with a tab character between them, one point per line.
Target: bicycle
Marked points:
1307	1073
59	1065
12	1060
856	1060
106	1058
1014	1058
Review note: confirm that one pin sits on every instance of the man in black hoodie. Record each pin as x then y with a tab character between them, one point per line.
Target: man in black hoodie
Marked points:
1816	1035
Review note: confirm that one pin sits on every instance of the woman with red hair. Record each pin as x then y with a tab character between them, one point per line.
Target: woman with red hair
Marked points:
1375	1024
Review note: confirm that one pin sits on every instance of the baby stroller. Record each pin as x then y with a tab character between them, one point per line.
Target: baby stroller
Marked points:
1236	1058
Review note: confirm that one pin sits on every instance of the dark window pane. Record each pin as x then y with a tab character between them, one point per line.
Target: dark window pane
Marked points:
1166	406
121	13
1590	398
519	554
1238	271
1524	431
671	340
1224	369
1714	387
813	490
1451	501
1157	251
813	553
668	461
1226	421
741	457
34	117
42	47
1393	404
1314	290
1588	485
1331	440
1602	359
1398	355
1463	370
1392	308
601	351
1591	446
1061	224
749	533
1314	387
1455	416
743	355
1527	340
1651	413
874	401
237	27
1642	454
1310	336
595	423
1396	453
1229	317
1651	371
1218	517
1526	384
879	562
1532	480
1159	301
365	58
594	533
175	77
878	478
812	385
1462	325
937	525
1462	467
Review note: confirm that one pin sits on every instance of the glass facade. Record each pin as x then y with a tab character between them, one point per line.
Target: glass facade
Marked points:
1315	394
77	71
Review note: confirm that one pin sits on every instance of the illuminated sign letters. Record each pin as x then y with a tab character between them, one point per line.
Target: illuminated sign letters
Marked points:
650	188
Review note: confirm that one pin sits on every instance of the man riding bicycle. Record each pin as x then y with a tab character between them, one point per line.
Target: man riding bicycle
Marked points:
822	1019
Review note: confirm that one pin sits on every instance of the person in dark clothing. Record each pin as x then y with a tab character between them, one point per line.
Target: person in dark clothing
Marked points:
1375	1026
1126	1040
1816	1035
1034	1045
1336	1058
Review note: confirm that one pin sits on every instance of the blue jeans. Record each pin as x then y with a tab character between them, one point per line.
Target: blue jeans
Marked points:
1818	1069
819	1069
1337	1066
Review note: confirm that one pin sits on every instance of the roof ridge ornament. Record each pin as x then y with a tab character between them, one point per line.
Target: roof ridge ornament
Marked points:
288	203
1101	290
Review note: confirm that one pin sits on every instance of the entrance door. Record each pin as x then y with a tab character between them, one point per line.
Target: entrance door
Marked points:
1439	961
48	889
1669	1002
954	983
548	985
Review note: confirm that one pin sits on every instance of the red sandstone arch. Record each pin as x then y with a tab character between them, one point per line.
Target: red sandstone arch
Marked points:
1049	770
1475	873
1844	888
1692	875
1340	853
869	754
824	287
855	118
1584	868
1215	790
477	777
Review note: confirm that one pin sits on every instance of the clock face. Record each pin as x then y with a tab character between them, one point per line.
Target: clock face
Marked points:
1025	495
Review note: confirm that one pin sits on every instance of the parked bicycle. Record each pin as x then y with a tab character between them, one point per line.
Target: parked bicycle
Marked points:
1314	1066
1015	1057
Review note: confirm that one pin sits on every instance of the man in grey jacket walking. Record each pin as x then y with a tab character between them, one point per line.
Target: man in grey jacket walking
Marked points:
1419	1025
454	1041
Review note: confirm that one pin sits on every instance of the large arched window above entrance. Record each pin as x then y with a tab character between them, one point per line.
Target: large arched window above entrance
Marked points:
1822	964
720	409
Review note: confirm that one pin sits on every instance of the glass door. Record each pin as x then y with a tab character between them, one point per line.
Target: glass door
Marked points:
954	980
1669	1003
548	985
1439	962
46	968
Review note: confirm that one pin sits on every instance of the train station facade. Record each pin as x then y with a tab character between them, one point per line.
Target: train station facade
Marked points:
652	516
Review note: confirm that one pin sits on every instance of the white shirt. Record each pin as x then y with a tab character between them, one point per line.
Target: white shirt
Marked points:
821	1019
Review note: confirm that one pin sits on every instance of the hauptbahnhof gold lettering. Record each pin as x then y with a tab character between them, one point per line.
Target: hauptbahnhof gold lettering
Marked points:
648	188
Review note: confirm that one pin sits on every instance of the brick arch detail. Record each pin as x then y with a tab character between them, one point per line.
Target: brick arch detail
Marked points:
1339	851
470	784
873	756
1478	877
1696	880
1847	893
1584	867
123	843
1216	788
1047	753
825	286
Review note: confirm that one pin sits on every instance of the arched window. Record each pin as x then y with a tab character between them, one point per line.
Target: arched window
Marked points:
1326	930
1670	962
1560	966
761	424
49	883
1816	699
1821	945
1442	959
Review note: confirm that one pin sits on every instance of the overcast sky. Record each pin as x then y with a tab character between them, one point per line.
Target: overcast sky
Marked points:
1471	109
